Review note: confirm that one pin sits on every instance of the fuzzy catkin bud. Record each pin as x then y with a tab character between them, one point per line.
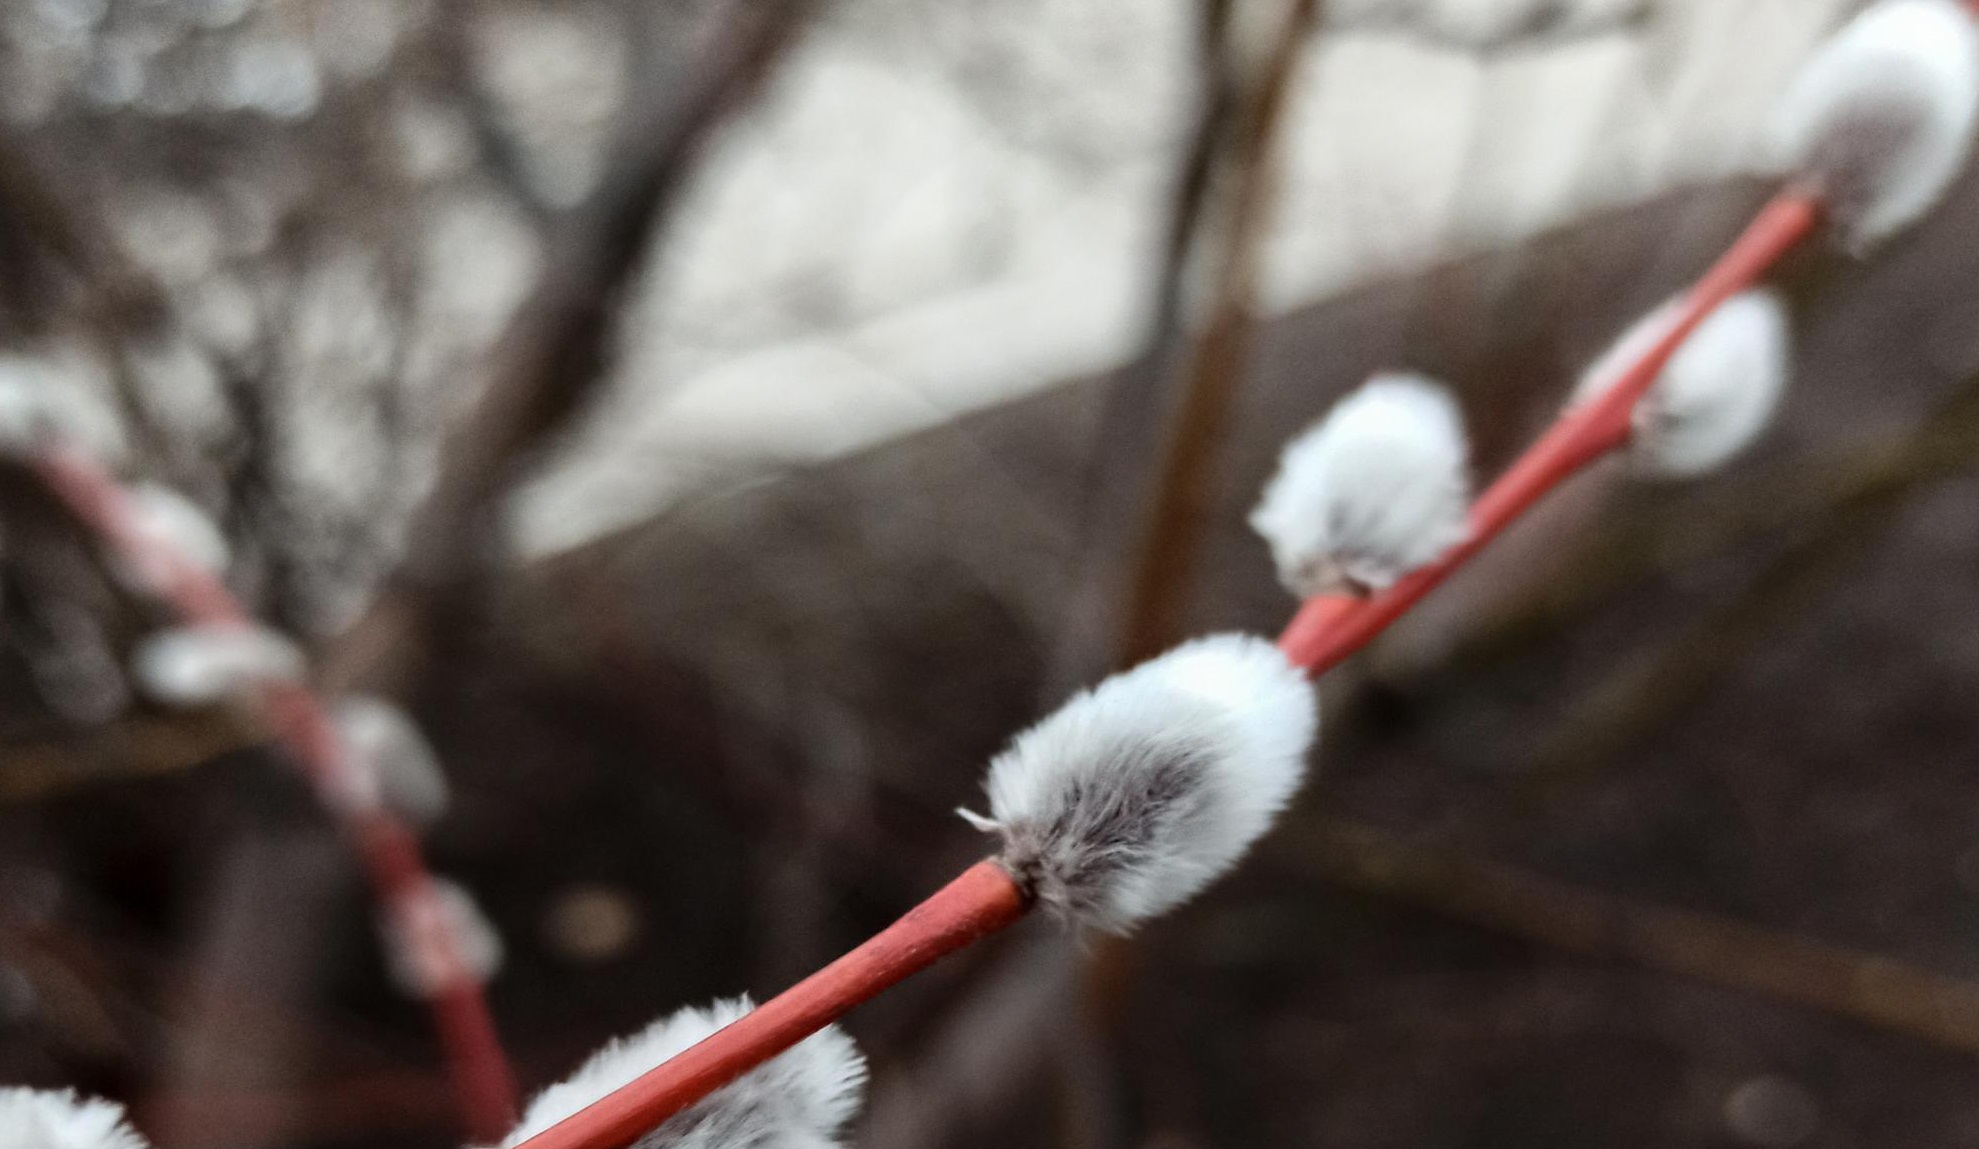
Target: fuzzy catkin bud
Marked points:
797	1100
1372	491
170	521
1880	120
202	665
439	936
1716	394
58	1119
398	765
1139	792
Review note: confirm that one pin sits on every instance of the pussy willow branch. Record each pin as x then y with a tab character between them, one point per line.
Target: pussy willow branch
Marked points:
118	300
983	900
1814	488
976	1059
387	849
1329	628
1838	532
551	359
1325	631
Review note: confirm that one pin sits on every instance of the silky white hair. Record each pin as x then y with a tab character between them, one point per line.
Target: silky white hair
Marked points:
799	1099
1139	792
1881	118
203	664
171	520
474	941
58	1119
1372	491
397	764
1716	394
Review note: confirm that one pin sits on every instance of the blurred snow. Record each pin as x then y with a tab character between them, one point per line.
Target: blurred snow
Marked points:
937	208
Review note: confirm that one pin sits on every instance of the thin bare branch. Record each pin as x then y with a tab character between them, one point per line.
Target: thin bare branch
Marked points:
1216	369
1867	988
553	356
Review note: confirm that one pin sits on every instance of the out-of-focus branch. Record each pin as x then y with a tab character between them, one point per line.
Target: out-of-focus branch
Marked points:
1246	106
86	986
1838	500
387	847
1215	369
1615	712
983	1055
1128	437
60	273
132	747
1649	689
1866	988
501	154
56	267
98	502
980	1054
261	929
553	356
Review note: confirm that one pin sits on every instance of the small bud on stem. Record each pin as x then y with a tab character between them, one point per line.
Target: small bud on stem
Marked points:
1714	396
1879	122
1370	492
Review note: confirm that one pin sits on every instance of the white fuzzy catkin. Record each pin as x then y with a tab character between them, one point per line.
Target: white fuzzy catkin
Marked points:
201	665
1370	492
171	521
411	957
58	1119
1881	118
1716	394
1139	792
799	1099
397	763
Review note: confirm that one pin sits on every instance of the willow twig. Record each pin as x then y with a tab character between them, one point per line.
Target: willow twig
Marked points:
1867	988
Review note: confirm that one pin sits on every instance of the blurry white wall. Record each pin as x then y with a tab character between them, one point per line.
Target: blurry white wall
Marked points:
938	207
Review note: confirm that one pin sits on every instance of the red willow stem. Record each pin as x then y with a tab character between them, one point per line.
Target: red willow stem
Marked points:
1330	627
483	1084
1326	629
983	900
